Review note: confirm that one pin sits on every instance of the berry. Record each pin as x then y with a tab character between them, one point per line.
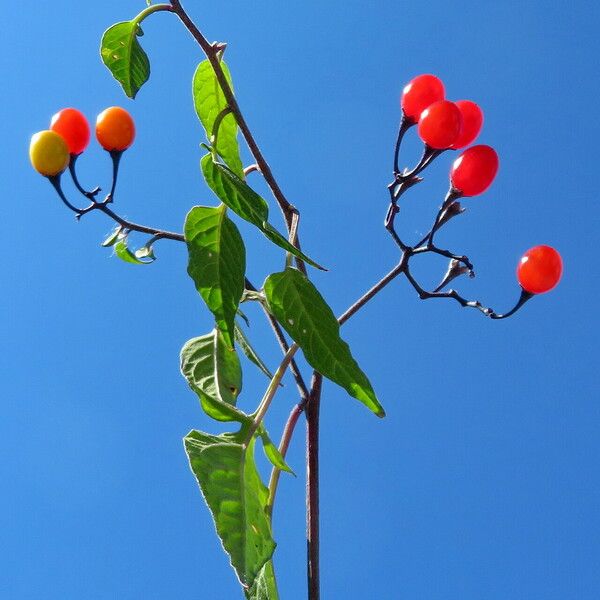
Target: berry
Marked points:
419	93
440	125
474	170
73	127
539	269
115	129
472	119
49	153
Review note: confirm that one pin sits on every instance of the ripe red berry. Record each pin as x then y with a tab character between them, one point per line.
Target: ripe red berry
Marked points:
472	119
73	127
440	125
539	269
419	93
474	170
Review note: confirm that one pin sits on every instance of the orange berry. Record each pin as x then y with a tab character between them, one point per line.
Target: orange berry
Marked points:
115	129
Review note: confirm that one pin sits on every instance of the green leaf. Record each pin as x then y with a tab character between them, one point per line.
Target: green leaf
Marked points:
250	352
265	586
210	102
226	472
234	192
273	454
217	263
302	311
126	255
246	203
113	237
126	60
272	234
213	371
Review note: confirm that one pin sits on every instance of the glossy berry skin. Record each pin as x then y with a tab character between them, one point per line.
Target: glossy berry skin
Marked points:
49	153
420	93
440	125
472	122
73	127
115	129
474	170
539	269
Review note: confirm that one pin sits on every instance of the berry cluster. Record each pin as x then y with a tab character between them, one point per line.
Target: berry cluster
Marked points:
58	148
443	125
51	151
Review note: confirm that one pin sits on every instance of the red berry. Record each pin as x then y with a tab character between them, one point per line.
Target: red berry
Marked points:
440	124
420	93
472	118
474	170
539	269
73	127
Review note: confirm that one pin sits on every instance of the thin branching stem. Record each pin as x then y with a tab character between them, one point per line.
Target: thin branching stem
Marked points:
152	9
129	225
283	343
285	346
265	403
284	445
89	194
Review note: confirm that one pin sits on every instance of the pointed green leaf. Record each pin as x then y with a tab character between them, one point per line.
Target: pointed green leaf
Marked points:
217	263
250	352
234	192
265	586
126	255
210	103
302	311
122	54
113	237
246	203
213	371
279	240
273	454
230	483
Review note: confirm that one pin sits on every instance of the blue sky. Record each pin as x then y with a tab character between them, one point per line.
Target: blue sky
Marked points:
482	482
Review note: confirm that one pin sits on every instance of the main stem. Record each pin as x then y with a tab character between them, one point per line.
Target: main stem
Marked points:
312	487
313	408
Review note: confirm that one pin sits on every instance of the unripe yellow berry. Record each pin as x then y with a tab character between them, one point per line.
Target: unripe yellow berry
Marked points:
49	153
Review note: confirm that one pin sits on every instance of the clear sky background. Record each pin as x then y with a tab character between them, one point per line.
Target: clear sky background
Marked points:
483	481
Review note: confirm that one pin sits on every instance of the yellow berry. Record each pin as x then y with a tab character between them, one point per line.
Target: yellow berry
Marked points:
49	153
